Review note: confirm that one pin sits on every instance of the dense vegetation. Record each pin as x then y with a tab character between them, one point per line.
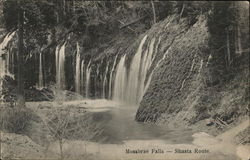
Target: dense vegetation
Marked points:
42	25
189	63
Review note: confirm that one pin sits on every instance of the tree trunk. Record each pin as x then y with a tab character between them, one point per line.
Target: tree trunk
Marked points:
228	59
130	23
182	10
153	9
63	8
73	7
239	41
60	8
61	148
21	101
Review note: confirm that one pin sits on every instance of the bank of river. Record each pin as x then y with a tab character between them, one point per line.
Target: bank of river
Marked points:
123	138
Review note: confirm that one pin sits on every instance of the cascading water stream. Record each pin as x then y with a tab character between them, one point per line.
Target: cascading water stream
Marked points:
6	62
60	62
56	63
111	78
87	84
97	78
127	87
98	68
60	72
40	81
156	66
120	80
131	95
78	73
82	76
130	84
146	64
105	81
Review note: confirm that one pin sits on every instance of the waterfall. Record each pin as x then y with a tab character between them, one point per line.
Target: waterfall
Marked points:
200	68
60	72
146	64
56	63
239	41
40	82
6	62
87	84
82	75
105	81
97	76
127	88
77	74
209	60
131	83
120	80
98	68
157	65
189	74
111	78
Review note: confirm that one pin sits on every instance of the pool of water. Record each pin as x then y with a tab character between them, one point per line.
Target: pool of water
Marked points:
121	134
122	127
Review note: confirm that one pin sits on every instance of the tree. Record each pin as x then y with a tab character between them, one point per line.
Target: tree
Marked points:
21	100
225	22
58	126
33	20
153	9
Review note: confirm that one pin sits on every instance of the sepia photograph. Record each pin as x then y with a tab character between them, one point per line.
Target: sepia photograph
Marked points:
124	80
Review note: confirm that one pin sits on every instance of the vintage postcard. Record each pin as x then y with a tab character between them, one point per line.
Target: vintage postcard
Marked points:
124	80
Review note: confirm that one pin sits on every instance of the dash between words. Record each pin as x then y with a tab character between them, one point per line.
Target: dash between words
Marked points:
162	151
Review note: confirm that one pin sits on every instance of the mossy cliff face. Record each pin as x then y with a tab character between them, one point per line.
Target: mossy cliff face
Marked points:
179	73
188	86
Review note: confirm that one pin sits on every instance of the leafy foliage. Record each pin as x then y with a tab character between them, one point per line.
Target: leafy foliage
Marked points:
223	22
15	119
